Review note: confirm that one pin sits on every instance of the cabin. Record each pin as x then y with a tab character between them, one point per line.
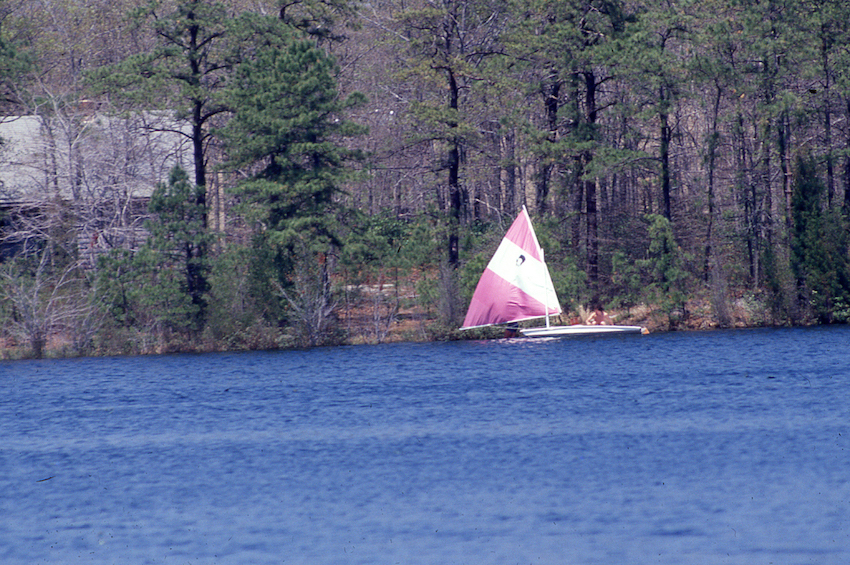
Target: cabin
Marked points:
89	173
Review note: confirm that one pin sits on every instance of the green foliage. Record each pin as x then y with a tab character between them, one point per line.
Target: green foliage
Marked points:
781	298
819	248
179	218
662	273
374	266
439	122
666	263
422	249
569	279
841	309
374	248
320	18
287	126
507	102
116	287
627	280
184	65
384	250
235	319
564	44
163	294
182	73
16	63
163	285
144	300
287	120
179	239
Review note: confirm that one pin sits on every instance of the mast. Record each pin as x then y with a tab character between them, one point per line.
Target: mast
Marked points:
546	269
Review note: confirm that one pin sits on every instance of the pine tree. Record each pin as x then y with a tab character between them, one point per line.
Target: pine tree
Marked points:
175	234
287	126
287	132
565	45
154	288
447	43
819	247
181	74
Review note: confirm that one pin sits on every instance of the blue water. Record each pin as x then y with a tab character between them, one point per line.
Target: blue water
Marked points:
725	447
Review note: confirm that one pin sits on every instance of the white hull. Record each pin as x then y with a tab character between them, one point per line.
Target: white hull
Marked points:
565	331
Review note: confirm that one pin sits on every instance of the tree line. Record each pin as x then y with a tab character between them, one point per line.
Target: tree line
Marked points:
347	166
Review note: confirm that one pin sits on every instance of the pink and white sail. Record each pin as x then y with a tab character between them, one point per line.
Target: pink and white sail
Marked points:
516	284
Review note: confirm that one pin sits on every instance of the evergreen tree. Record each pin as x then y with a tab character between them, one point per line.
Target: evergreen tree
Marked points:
319	18
819	248
152	289
664	269
15	64
287	130
182	73
176	232
448	42
652	51
566	45
713	72
829	35
777	50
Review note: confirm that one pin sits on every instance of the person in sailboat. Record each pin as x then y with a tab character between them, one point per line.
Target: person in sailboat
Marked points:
598	317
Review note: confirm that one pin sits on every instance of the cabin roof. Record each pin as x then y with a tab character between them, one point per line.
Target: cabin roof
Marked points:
87	157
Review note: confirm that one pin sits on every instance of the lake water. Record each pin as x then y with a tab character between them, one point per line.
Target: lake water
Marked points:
727	447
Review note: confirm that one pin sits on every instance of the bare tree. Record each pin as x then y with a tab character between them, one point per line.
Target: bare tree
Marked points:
312	299
41	302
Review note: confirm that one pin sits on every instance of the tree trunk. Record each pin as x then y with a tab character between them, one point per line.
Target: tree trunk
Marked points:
592	232
747	191
455	200
664	154
577	202
783	166
847	164
552	102
712	159
827	118
195	254
590	185
507	173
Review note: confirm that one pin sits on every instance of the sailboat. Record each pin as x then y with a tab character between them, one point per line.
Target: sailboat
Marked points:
517	286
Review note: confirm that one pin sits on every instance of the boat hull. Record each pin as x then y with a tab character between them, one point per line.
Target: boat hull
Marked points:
580	329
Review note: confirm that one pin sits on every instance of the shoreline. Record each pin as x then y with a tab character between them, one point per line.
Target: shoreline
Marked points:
697	318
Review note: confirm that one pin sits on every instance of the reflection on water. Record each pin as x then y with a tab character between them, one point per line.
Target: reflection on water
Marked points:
725	447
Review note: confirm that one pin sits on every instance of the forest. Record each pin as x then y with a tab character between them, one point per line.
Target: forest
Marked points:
193	175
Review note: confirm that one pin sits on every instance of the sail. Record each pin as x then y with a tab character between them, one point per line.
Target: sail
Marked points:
516	284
